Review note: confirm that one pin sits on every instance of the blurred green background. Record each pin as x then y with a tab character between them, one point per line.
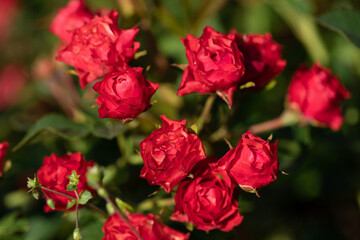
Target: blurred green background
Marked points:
319	199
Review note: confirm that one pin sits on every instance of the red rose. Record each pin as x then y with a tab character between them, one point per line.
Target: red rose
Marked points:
53	174
9	10
3	148
124	93
215	65
262	58
252	164
169	154
147	226
207	201
12	81
97	46
74	15
316	93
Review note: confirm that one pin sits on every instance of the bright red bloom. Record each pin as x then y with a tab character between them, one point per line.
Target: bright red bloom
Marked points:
148	227
74	15
262	58
317	93
207	201
12	82
253	163
169	153
3	148
53	174
98	46
124	93
215	65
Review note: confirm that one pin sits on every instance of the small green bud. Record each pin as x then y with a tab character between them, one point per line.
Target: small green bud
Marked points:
35	194
77	234
93	176
74	181
102	193
110	209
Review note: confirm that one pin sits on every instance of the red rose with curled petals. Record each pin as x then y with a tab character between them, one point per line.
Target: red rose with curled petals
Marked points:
97	46
169	153
207	201
124	93
53	174
3	148
148	227
317	93
262	58
74	15
252	164
215	65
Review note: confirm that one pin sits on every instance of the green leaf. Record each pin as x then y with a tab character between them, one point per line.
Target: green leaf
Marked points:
70	204
85	196
345	22
50	203
54	125
10	224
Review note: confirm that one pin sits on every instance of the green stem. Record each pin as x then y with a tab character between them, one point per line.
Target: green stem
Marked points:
205	112
77	209
89	205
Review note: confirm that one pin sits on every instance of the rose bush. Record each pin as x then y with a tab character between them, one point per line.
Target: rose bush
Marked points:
124	93
252	164
3	148
53	174
169	153
262	58
207	201
215	65
98	46
74	15
148	227
317	93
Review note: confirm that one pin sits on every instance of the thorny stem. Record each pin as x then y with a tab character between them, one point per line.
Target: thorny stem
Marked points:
205	112
89	205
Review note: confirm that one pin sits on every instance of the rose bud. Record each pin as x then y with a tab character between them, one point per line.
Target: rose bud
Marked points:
12	82
262	58
317	93
253	164
124	93
147	226
215	65
97	46
53	175
207	201
3	148
74	15
169	153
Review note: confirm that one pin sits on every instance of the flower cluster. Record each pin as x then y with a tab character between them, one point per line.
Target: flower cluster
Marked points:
95	46
206	192
220	62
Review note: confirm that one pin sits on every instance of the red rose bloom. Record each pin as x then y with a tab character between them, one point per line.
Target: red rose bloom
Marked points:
74	15
316	93
12	82
215	65
124	93
252	164
97	46
169	154
147	226
262	58
53	174
3	148
207	201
